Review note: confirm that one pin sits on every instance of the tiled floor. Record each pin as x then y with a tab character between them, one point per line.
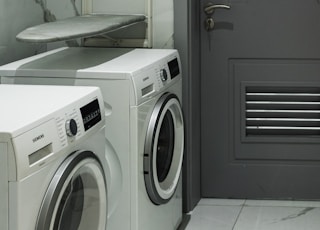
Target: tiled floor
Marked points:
221	214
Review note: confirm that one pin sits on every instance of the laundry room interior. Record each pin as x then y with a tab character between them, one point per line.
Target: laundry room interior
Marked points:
159	115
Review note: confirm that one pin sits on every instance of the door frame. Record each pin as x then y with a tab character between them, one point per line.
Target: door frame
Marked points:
187	42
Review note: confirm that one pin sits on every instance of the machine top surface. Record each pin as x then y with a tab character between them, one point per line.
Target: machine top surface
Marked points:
25	106
150	71
83	62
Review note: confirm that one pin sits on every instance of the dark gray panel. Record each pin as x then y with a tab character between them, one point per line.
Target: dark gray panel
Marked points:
257	44
186	39
278	74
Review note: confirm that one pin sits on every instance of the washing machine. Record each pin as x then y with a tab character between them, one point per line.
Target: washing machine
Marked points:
142	91
52	162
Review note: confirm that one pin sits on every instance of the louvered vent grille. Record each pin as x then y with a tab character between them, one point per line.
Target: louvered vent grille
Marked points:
286	111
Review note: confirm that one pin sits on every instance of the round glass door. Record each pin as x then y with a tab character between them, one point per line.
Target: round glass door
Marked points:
77	196
164	149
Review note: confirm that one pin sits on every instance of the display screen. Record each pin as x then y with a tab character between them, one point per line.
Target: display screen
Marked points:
91	114
174	68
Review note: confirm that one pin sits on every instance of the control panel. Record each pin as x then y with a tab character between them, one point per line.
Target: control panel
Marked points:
74	123
154	78
39	145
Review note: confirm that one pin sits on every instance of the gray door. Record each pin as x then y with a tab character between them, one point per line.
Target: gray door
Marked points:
260	93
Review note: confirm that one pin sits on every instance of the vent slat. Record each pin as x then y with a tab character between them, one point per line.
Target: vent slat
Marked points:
283	128
284	119
283	94
283	106
280	111
297	103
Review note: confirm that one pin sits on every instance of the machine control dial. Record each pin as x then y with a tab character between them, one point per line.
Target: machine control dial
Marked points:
71	127
163	75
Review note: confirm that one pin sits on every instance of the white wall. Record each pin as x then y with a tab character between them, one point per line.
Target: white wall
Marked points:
119	6
159	11
17	15
63	8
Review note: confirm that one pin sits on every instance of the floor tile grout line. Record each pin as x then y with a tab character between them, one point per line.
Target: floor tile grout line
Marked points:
235	222
274	206
220	205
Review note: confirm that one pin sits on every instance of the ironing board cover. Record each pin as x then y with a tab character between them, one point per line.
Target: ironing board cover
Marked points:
77	27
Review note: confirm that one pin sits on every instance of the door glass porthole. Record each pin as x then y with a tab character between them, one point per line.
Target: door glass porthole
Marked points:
165	147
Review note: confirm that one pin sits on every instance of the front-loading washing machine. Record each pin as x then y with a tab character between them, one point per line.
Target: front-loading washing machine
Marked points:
142	91
53	167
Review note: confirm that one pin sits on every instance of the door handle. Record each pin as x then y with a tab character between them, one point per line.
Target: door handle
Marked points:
210	8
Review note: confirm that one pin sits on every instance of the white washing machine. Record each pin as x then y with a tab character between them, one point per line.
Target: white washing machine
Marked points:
53	167
142	91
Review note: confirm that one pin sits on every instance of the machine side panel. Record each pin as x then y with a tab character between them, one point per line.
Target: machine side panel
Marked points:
116	95
4	186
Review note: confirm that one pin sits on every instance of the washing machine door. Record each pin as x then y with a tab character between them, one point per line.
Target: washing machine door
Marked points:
163	152
76	198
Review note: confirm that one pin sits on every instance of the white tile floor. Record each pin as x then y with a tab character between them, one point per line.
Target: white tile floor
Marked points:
222	214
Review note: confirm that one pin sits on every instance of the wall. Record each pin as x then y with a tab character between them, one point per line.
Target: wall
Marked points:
15	16
159	15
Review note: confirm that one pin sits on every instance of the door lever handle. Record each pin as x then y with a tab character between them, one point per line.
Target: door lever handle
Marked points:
210	8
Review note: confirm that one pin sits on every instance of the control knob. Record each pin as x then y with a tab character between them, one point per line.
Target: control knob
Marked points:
71	127
163	75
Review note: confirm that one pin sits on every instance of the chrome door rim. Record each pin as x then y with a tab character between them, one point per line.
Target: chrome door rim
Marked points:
161	192
48	211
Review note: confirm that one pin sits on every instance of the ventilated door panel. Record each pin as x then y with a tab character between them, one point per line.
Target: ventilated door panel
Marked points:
282	111
275	110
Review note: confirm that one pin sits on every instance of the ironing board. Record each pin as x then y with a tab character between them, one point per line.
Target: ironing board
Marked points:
77	27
